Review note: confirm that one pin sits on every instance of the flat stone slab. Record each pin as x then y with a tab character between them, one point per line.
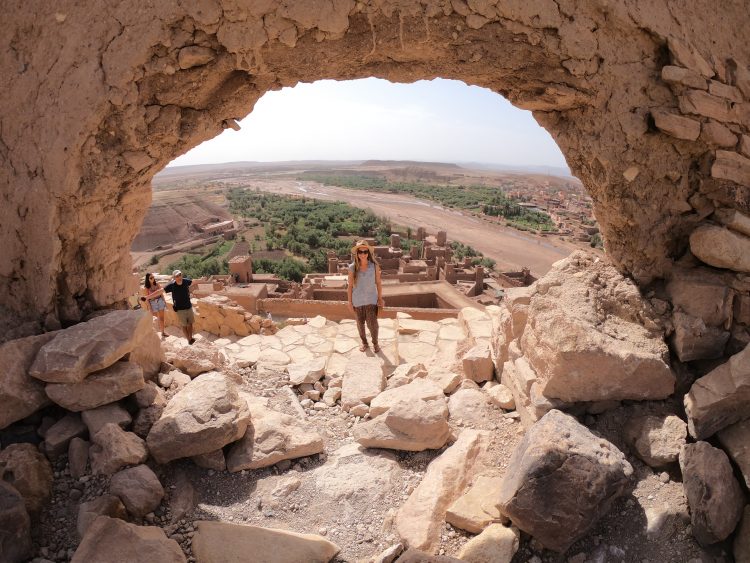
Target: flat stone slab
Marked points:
421	518
720	398
99	388
270	438
219	542
363	381
90	346
475	509
116	541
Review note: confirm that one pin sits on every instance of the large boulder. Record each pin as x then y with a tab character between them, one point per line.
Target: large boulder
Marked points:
100	388
720	398
477	363
29	472
475	510
714	495
139	489
363	381
560	480
271	437
412	425
115	541
219	542
114	448
91	346
657	440
721	247
591	336
421	518
205	415
471	407
15	526
741	546
693	339
20	394
735	440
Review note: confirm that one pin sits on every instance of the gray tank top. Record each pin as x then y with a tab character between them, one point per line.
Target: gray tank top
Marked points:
365	291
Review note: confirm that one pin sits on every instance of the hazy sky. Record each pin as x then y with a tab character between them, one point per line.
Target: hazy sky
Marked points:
438	120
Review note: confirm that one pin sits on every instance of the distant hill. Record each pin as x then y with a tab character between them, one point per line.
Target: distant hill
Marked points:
411	164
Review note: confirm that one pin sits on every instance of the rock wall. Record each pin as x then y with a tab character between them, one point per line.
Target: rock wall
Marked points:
648	101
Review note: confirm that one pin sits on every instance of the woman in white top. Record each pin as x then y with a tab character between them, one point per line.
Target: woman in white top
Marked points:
365	292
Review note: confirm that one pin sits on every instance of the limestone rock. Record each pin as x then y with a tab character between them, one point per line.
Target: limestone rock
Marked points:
496	544
59	435
477	363
714	133
95	419
357	475
694	340
78	457
151	394
363	381
475	509
730	166
307	372
421	517
560	480
271	437
15	539
735	440
203	416
471	407
719	398
412	424
114	448
29	472
417	390
714	495
676	125
657	440
741	547
196	359
733	219
591	336
331	395
146	418
91	346
216	542
447	380
697	294
139	489
413	555
721	247
115	541
20	394
100	388
105	505
501	396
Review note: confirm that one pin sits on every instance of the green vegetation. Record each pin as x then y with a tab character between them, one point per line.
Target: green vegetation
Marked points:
597	241
309	228
481	199
287	268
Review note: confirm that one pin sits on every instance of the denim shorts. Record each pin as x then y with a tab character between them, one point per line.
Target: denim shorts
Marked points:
158	304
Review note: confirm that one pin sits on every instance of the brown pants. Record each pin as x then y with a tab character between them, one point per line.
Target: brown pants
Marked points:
367	314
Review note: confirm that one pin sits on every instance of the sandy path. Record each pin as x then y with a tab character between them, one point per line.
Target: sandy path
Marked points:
511	249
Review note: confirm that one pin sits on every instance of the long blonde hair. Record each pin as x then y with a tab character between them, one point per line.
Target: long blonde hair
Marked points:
370	258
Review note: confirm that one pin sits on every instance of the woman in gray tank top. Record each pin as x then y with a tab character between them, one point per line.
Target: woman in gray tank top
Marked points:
365	292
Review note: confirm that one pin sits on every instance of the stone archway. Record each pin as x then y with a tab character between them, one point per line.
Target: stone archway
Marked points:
98	99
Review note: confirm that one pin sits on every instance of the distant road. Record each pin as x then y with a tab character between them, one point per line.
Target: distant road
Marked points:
510	248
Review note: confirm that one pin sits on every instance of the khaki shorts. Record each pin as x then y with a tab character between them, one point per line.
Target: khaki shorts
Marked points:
185	316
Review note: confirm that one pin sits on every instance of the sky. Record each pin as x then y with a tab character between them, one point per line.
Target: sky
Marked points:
434	121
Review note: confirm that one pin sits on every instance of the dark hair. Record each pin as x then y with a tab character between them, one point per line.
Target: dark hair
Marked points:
147	282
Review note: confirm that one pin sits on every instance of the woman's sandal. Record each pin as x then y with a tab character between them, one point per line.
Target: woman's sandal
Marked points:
375	348
363	347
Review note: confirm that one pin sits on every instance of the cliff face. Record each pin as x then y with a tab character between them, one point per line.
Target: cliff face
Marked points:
648	103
